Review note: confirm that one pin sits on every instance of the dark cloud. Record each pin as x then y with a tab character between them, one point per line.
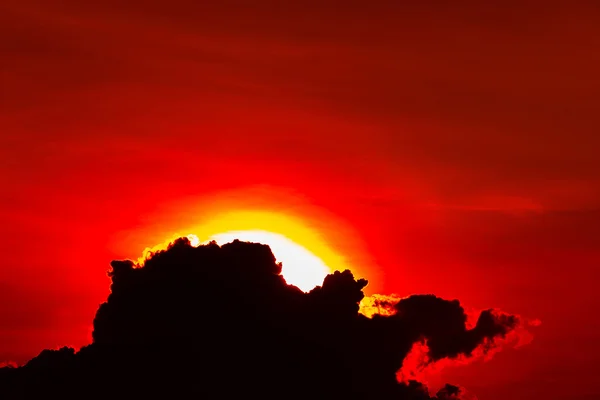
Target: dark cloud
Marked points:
221	322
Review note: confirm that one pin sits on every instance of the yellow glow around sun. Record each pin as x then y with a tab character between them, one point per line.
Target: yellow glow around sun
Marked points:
300	267
305	254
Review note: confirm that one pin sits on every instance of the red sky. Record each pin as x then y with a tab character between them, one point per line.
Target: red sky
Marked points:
459	142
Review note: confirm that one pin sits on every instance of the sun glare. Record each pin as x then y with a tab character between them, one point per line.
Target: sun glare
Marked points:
306	256
300	267
194	241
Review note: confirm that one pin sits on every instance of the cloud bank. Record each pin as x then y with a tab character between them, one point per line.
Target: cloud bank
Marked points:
220	322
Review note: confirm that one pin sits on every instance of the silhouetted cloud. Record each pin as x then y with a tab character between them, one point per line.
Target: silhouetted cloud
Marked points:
221	322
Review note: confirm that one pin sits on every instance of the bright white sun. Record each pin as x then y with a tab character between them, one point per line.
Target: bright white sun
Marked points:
300	267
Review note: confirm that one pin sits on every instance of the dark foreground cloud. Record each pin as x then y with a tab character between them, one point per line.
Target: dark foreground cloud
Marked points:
221	322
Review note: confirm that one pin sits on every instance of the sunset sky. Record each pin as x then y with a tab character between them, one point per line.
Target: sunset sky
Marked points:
435	148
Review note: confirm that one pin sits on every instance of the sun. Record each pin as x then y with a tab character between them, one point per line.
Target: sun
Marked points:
300	267
305	254
299	243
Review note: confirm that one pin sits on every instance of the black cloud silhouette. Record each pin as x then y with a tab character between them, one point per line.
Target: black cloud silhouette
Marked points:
220	322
